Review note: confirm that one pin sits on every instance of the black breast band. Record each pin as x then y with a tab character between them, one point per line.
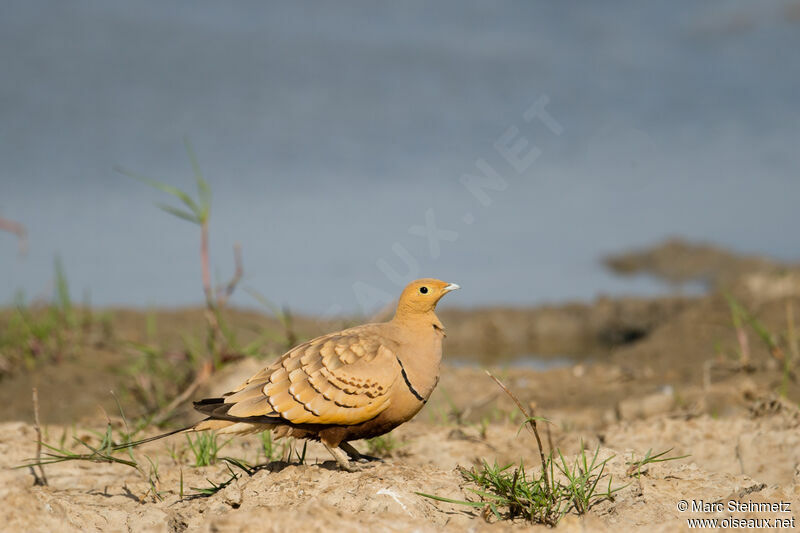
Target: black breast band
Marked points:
408	383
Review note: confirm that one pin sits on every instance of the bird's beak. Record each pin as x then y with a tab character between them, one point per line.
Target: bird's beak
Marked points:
451	287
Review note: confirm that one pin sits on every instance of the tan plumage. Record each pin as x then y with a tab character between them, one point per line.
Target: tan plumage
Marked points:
352	384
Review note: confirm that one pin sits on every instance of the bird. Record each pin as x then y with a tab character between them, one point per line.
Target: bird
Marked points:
358	383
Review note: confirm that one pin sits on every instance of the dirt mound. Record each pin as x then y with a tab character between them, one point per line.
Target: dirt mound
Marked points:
678	261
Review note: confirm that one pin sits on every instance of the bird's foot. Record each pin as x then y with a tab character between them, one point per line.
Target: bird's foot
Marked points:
357	456
349	459
342	459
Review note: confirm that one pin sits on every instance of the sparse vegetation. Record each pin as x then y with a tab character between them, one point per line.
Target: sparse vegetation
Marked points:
268	446
232	476
783	348
198	212
273	451
155	377
542	497
104	452
205	447
35	334
301	456
636	465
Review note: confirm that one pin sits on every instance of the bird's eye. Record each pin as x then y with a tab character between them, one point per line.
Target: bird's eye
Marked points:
423	290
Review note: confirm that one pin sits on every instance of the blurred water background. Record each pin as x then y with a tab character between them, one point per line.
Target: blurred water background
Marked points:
328	130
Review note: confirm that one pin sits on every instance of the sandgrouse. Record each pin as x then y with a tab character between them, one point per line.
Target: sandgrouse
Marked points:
353	384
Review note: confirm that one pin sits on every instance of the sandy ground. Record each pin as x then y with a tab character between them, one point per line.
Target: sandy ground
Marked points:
749	454
641	375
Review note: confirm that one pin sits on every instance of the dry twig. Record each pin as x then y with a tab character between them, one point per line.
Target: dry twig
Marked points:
531	420
17	229
164	414
224	293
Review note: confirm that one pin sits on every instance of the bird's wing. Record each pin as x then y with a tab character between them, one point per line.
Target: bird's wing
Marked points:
343	378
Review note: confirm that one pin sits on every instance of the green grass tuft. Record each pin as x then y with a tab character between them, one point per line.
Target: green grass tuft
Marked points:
545	496
636	465
103	452
538	497
205	447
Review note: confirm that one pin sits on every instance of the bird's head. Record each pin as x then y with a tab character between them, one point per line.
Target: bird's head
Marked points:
422	295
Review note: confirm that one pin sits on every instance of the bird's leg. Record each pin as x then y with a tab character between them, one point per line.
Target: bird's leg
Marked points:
355	455
340	456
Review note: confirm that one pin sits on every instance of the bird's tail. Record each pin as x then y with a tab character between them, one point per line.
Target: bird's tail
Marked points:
151	439
222	426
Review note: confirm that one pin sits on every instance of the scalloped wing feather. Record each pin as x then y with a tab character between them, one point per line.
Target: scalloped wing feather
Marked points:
339	379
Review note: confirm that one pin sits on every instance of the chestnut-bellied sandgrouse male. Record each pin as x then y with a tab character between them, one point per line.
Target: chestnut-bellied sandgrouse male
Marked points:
353	384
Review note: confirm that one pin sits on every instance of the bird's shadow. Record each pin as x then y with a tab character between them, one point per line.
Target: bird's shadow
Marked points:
250	471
